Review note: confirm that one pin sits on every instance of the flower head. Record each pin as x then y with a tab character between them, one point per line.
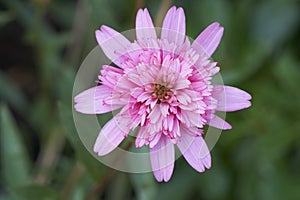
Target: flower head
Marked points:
163	87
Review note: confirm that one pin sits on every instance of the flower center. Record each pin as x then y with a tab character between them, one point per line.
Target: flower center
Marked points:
161	92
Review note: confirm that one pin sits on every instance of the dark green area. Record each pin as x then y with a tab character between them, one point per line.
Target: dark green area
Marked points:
42	44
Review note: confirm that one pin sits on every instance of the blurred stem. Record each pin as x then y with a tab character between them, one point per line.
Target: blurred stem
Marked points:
99	187
72	180
78	31
139	4
164	6
48	157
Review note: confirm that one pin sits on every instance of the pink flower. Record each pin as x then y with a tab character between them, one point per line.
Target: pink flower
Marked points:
163	86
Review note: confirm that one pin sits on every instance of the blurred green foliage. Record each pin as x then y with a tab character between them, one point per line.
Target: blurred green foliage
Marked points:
42	45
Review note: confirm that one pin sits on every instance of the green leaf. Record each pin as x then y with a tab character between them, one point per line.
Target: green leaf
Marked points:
119	187
287	73
9	92
144	185
36	192
94	168
274	21
181	185
215	182
22	10
14	158
5	18
7	196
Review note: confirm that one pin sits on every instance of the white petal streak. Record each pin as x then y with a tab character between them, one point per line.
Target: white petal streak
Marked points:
144	25
155	114
162	157
92	101
218	122
195	151
231	98
164	108
209	39
111	42
173	28
109	138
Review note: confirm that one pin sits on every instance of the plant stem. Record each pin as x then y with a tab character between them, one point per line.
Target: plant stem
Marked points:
99	187
48	157
72	180
164	6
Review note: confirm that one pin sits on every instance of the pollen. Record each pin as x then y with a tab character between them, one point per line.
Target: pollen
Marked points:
161	92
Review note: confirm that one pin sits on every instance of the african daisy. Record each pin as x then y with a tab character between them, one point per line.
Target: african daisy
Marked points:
162	86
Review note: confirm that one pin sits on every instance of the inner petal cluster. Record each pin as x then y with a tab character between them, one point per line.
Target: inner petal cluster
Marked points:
167	92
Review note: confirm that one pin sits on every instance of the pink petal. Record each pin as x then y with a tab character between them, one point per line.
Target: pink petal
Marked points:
231	98
209	39
155	140
218	122
164	108
92	101
144	25
141	137
181	83
109	138
162	158
112	43
155	115
195	151
110	76
173	28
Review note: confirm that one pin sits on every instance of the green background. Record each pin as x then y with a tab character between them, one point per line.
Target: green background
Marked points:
42	45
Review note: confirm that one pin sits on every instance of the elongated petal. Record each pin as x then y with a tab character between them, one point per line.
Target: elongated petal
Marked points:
110	76
173	28
92	101
218	122
144	25
109	138
209	39
112	43
195	151
162	158
231	98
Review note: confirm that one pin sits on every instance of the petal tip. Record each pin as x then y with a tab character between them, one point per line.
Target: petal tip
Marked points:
146	11
173	8
97	32
99	153
161	177
207	164
217	25
226	126
248	96
180	10
79	107
104	27
166	179
157	176
140	11
248	104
